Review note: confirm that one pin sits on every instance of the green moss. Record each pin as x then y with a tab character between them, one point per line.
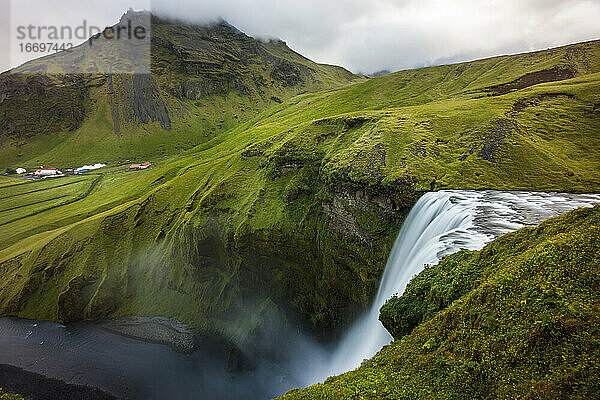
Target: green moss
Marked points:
431	291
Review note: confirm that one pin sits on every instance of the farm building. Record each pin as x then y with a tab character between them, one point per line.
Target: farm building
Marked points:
47	172
87	168
140	166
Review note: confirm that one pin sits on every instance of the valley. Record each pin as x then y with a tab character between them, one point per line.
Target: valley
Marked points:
276	190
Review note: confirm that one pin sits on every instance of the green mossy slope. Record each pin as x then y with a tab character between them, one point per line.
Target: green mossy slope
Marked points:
518	319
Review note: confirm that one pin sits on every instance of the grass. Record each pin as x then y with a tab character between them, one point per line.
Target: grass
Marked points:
25	200
518	319
9	181
297	206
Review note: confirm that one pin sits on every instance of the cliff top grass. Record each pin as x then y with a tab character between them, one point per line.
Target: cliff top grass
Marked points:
518	319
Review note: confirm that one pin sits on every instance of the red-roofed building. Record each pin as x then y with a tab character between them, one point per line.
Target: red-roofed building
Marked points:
140	166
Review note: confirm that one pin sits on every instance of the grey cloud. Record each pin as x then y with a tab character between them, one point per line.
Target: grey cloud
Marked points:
370	35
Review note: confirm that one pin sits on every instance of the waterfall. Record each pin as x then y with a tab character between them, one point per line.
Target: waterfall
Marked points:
440	224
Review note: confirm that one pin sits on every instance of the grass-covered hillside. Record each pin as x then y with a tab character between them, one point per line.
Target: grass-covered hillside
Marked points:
293	213
519	319
204	80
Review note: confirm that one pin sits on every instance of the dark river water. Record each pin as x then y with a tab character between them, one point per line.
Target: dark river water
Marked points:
129	368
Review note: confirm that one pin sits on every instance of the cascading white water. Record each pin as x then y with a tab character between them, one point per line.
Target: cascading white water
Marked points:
439	224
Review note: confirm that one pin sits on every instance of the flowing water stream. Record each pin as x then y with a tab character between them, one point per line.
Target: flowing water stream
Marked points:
439	224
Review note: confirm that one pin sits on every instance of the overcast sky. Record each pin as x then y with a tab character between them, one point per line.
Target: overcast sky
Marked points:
361	35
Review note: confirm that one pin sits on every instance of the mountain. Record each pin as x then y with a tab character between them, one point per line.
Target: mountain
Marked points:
518	319
74	106
377	74
291	214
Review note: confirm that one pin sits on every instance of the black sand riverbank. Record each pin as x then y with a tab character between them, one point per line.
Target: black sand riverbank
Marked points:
38	387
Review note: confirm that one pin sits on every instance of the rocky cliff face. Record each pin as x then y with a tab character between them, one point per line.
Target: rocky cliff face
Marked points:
316	264
32	105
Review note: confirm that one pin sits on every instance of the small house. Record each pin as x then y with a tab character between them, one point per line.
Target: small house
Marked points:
140	166
47	172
